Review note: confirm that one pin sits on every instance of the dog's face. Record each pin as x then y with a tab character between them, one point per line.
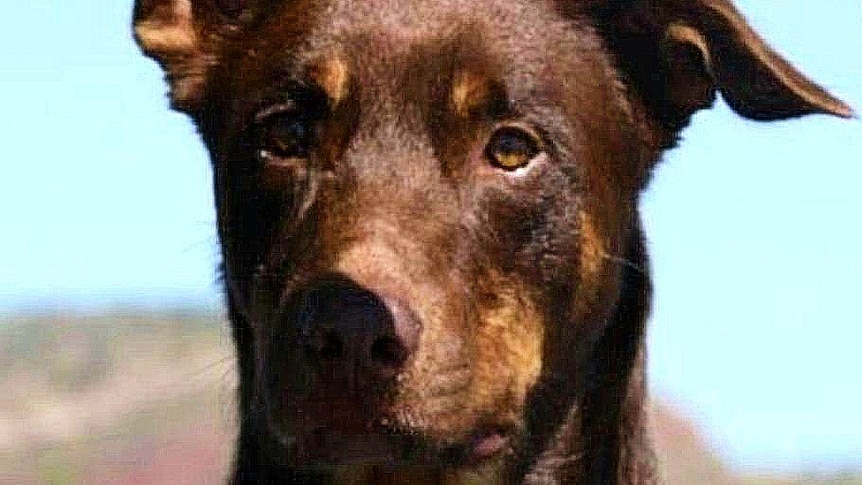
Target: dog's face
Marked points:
425	177
426	209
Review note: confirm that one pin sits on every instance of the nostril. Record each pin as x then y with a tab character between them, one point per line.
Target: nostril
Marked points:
327	346
388	351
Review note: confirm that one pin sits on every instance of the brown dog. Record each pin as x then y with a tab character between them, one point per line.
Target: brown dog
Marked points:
427	210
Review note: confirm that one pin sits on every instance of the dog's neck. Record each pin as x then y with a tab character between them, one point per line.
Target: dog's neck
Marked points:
611	448
603	439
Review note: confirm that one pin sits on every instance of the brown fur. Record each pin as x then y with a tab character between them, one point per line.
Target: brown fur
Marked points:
358	201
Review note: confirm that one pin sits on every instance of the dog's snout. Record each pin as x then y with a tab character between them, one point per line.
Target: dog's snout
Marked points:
355	336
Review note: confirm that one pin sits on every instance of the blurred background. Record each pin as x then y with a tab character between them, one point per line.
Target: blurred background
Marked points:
115	360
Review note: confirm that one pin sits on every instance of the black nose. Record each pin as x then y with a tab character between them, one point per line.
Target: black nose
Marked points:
354	337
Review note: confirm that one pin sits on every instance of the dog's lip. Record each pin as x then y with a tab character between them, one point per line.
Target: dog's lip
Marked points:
328	446
488	444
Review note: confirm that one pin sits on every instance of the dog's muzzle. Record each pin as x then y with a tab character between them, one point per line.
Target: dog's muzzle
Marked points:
354	340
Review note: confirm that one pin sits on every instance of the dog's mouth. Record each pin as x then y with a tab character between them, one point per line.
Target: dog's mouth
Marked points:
377	442
373	458
330	428
326	447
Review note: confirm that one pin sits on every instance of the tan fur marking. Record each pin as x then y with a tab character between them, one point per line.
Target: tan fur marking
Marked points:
469	90
169	35
168	32
490	473
592	249
332	76
509	341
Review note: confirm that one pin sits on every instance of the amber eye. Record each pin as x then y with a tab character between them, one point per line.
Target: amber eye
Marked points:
511	148
284	136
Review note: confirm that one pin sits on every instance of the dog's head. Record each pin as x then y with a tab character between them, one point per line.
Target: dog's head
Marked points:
427	209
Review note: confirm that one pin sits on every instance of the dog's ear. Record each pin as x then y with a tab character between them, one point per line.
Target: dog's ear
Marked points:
677	53
183	36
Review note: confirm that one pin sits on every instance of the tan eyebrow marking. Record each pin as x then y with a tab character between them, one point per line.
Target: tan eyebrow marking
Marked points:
332	75
469	90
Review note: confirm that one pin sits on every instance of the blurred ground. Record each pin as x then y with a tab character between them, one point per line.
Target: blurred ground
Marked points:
145	400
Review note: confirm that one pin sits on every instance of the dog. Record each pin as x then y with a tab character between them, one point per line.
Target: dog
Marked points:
427	210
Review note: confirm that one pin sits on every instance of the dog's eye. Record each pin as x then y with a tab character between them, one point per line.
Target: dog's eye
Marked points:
511	148
284	136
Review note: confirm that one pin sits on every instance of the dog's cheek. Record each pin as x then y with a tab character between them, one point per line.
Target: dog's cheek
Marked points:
513	232
509	338
250	225
596	266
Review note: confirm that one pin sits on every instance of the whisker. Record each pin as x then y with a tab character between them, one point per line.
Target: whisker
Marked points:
624	262
227	359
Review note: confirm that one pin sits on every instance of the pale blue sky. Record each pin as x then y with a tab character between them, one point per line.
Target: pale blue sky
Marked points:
754	228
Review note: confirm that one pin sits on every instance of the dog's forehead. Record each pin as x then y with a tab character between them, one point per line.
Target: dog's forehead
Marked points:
376	38
411	20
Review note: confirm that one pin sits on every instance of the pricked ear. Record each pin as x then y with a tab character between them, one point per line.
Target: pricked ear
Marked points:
677	53
183	37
